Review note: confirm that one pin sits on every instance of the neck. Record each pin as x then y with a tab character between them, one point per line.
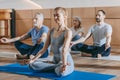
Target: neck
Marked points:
76	27
61	28
38	27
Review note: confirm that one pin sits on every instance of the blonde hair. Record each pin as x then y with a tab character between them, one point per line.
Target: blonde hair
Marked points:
64	11
61	9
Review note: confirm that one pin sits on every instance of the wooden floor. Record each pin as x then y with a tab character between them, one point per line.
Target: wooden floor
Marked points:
81	63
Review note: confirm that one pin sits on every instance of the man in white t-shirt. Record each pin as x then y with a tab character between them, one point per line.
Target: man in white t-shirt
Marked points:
101	33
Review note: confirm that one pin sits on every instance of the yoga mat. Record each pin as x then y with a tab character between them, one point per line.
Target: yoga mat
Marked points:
16	68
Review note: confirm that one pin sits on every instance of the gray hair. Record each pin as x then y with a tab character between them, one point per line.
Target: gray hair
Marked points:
77	17
41	16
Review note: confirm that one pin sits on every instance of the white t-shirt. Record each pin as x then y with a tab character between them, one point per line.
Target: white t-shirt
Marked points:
99	33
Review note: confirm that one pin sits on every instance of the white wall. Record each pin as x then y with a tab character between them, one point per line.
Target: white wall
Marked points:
37	4
18	4
76	3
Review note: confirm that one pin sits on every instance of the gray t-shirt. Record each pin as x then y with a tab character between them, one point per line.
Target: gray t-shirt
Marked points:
99	33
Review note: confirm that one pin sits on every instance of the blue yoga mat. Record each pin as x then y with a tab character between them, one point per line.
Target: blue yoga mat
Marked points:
76	75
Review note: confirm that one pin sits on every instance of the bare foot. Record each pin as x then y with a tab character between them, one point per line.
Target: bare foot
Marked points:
23	61
85	55
99	56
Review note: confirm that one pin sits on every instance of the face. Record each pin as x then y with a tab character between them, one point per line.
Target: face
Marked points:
59	17
100	17
37	21
76	23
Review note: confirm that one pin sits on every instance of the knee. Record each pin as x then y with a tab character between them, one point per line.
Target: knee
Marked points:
31	66
57	71
17	43
36	66
107	52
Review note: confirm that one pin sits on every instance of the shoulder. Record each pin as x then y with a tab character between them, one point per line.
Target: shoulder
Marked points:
68	30
107	25
51	30
92	27
45	27
32	29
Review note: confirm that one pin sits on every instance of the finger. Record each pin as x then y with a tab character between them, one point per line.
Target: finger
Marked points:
3	40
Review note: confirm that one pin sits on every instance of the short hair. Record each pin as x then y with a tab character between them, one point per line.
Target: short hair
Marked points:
63	10
102	11
41	16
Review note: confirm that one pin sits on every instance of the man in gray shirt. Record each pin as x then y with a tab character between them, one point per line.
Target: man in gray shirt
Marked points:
101	33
